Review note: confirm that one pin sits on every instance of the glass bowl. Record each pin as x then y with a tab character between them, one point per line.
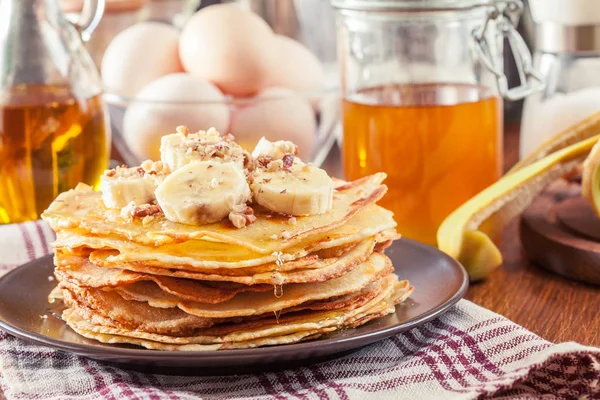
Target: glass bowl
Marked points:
311	120
308	119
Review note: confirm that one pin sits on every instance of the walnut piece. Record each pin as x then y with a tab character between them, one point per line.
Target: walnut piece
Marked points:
288	161
145	210
275	165
242	216
183	130
155	167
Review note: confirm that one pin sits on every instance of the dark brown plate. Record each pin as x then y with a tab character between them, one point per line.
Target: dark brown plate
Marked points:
439	283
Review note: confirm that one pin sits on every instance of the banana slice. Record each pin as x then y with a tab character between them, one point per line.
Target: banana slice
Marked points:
275	150
181	148
122	186
292	187
202	192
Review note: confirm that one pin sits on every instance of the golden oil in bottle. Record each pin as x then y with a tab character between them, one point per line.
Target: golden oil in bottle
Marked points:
50	141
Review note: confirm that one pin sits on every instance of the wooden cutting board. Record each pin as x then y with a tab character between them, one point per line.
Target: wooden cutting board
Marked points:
561	233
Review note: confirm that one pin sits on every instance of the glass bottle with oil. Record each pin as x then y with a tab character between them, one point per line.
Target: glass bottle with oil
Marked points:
54	129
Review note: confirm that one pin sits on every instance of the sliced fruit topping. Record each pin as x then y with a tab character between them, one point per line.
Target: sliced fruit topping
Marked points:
181	148
122	186
274	150
203	192
288	186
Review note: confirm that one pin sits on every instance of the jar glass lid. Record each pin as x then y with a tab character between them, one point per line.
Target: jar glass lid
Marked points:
409	5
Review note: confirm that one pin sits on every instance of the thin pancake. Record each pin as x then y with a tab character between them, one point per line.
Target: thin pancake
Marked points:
269	332
320	271
107	308
247	304
133	314
347	302
86	274
201	254
83	208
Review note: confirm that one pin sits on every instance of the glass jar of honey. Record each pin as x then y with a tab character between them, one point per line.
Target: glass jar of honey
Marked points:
423	84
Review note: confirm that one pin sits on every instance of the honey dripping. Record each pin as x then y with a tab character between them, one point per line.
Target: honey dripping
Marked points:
277	315
278	290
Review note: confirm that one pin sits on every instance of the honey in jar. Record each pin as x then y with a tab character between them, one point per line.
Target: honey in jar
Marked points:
439	144
49	142
423	86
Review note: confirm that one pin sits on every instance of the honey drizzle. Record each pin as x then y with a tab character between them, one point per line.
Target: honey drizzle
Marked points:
277	315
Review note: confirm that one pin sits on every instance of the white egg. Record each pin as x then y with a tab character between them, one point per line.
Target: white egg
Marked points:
277	114
228	46
176	99
138	55
295	67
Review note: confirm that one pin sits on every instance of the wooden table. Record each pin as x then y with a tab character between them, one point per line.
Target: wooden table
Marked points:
553	307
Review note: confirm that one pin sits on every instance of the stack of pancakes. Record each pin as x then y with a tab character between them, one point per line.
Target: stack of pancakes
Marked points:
164	285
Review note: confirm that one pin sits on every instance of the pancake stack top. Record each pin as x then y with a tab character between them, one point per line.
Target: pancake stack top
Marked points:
215	248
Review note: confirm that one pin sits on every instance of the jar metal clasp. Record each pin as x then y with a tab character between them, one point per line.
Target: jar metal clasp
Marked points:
504	13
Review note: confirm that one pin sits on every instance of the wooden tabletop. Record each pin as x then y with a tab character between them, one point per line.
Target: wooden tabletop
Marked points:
553	307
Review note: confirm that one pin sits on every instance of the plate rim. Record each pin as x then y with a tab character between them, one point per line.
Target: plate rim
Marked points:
107	351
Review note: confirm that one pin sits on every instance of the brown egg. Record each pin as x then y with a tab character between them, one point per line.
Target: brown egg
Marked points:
138	55
277	114
229	47
295	67
176	99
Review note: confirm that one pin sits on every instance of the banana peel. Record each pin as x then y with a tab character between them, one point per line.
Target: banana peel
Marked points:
590	179
583	130
466	233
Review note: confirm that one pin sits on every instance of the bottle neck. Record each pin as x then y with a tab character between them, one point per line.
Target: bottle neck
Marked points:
24	26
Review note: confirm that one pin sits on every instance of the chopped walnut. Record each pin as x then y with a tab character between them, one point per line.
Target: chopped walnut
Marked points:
275	165
292	221
263	161
183	130
155	167
127	211
241	218
288	161
203	146
275	150
124	172
144	210
285	235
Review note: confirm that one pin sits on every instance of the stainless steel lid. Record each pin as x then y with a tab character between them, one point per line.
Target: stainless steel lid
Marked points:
409	5
552	37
